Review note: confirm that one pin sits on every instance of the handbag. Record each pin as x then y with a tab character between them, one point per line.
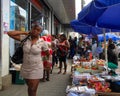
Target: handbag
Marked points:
17	57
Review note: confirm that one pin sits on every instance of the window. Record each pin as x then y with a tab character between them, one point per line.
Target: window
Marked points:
18	15
18	19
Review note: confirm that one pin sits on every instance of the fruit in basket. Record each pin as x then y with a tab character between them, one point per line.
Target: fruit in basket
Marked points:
77	66
94	67
98	86
97	89
95	78
100	62
108	90
87	67
103	88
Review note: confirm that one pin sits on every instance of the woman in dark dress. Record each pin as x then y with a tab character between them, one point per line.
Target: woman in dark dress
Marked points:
112	57
62	51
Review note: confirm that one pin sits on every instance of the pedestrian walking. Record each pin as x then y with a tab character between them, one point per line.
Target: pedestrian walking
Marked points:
32	67
62	52
47	60
54	49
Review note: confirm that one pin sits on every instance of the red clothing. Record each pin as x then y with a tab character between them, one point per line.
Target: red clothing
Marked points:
47	38
46	62
62	49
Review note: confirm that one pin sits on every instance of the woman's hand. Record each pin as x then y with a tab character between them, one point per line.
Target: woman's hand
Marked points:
29	33
16	34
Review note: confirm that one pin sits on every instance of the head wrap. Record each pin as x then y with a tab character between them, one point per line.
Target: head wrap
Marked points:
44	33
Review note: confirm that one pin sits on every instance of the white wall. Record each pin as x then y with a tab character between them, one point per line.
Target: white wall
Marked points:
5	39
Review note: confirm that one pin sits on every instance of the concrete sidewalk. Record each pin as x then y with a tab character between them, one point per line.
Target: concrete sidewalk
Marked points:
55	87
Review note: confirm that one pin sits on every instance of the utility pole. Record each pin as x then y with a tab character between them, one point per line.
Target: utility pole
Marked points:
82	4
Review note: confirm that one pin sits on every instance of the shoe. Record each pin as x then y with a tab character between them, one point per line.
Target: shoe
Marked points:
59	72
51	72
47	79
64	73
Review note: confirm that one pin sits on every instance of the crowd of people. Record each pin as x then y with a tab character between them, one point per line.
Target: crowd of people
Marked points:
43	51
63	48
58	49
83	48
80	47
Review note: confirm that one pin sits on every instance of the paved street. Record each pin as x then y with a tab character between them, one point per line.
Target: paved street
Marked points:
55	87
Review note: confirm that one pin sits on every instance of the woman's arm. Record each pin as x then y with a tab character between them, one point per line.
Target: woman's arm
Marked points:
67	44
16	34
47	53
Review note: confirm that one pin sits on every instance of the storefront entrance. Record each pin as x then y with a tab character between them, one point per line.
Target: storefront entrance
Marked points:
18	19
36	16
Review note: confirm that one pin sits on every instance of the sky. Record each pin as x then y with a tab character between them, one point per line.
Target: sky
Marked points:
87	1
78	5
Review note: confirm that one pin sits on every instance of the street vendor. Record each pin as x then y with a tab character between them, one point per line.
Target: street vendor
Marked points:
112	57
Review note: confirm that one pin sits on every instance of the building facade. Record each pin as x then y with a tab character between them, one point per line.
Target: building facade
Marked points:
21	15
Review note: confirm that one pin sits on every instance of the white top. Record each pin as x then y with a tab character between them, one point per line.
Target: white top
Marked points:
32	67
54	42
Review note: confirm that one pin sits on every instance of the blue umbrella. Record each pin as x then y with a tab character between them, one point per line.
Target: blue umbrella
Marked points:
101	13
86	29
108	36
94	17
91	13
113	17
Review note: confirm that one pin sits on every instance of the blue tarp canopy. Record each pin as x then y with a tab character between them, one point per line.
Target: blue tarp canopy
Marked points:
108	36
88	29
96	15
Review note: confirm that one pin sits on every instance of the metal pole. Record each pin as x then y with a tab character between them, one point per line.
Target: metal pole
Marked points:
82	4
105	46
0	47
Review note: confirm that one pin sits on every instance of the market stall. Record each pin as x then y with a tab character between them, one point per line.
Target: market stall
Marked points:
91	78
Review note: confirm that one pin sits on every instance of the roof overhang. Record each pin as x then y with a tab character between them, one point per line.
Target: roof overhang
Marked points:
64	10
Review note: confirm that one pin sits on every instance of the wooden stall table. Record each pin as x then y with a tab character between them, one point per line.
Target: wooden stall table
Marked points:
107	94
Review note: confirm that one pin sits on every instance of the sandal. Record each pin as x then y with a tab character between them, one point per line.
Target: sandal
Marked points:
64	73
59	72
47	79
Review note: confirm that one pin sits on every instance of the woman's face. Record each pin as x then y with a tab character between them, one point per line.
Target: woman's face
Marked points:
61	38
53	38
36	31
